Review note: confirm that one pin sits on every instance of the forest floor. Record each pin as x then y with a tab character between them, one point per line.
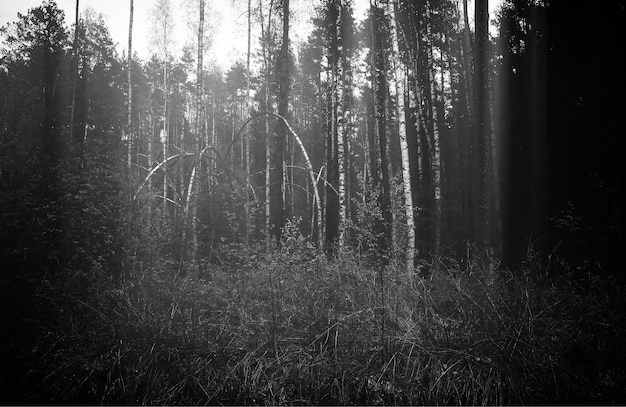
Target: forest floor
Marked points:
291	327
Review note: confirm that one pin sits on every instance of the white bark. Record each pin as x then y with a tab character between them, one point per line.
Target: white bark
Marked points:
341	127
265	34
129	136
246	140
399	85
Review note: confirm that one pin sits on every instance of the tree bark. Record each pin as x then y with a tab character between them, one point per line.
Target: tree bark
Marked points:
74	75
165	135
277	204
436	147
399	85
379	88
129	135
341	130
193	183
265	35
246	140
467	60
482	120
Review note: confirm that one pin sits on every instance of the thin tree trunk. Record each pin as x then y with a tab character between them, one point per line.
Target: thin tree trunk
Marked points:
277	204
193	183
129	129
399	85
436	150
340	105
482	119
265	35
332	177
467	60
74	75
246	140
165	137
387	165
213	157
494	180
150	141
268	169
380	142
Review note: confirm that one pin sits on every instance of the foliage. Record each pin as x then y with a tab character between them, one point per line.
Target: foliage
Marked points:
115	294
288	326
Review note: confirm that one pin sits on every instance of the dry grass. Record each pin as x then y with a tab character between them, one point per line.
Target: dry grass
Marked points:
291	327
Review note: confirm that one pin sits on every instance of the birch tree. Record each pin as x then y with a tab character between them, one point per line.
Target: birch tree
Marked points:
129	84
162	38
339	80
246	140
266	34
399	88
193	187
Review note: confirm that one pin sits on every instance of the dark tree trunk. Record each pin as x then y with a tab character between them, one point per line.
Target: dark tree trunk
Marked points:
277	204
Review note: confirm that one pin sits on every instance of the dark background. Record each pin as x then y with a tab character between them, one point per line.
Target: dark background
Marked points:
562	141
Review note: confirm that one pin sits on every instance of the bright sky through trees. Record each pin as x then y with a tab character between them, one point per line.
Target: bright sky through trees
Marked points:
227	17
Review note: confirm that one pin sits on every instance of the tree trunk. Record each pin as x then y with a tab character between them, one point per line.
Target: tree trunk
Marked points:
341	130
193	183
149	154
385	241
467	60
277	204
399	84
74	75
436	148
129	135
165	136
482	119
246	139
265	35
332	164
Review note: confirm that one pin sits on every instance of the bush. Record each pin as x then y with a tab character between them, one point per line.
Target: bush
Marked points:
290	326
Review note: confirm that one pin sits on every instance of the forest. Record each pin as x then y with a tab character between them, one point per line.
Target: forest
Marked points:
403	208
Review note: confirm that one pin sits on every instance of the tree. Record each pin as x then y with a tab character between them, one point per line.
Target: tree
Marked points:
277	201
246	204
162	38
193	187
129	59
482	120
435	143
38	39
381	169
75	72
399	80
34	146
266	35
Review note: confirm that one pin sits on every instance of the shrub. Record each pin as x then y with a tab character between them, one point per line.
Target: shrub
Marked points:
290	326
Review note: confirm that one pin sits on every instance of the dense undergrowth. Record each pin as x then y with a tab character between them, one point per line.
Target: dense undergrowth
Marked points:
288	326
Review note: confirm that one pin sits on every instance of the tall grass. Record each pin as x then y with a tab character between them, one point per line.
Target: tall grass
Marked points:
288	326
